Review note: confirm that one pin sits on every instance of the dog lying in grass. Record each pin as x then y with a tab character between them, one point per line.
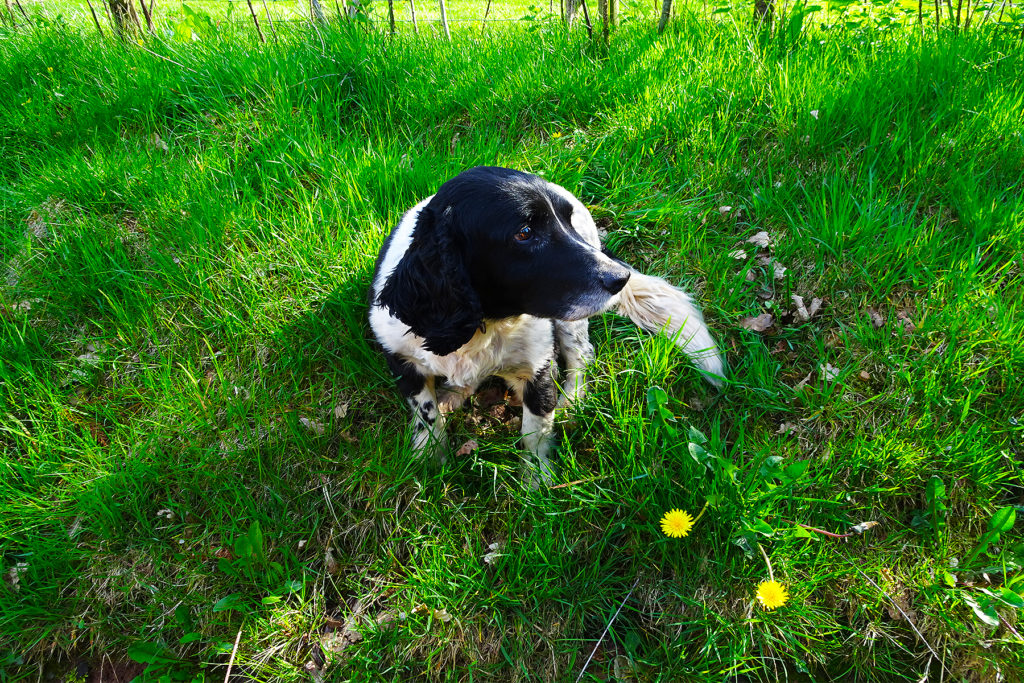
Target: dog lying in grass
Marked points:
498	274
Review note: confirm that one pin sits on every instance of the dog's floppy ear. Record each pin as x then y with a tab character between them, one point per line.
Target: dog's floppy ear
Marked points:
430	290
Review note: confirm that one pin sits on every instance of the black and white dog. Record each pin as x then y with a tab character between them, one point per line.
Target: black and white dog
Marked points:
497	274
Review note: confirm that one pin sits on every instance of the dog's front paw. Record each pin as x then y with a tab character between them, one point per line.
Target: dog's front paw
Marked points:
538	472
429	441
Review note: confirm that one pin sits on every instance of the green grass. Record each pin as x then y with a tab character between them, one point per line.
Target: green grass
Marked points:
199	443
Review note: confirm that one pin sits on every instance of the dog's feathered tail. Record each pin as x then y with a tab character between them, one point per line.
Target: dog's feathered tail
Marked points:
656	306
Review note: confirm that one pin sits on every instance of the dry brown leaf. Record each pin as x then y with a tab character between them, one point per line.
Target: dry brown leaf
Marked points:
803	383
330	563
877	320
738	254
14	575
312	425
493	553
815	306
864	375
802	314
759	323
467	448
829	372
762	239
907	324
341	410
159	143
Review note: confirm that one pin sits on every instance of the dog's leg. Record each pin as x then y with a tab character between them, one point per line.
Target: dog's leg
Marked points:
451	398
574	347
540	397
427	420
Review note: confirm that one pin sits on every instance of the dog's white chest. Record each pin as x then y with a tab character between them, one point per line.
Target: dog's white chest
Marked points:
512	348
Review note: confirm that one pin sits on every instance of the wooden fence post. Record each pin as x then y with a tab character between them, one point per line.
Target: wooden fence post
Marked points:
146	14
256	21
316	12
586	19
95	18
666	9
764	13
125	18
444	21
273	31
22	10
486	12
9	17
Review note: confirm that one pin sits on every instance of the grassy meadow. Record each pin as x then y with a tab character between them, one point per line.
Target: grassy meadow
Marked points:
204	462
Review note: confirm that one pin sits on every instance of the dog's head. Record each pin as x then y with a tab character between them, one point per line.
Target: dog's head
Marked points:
495	243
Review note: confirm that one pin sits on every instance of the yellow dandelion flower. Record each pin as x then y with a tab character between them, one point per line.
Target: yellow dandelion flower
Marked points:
49	69
556	135
677	523
772	594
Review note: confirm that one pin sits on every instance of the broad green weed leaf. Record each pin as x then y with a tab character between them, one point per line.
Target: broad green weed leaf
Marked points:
796	470
256	539
935	495
228	602
225	566
183	617
697	437
656	399
760	526
1007	596
983	609
243	547
147	653
772	467
1003	520
698	453
800	532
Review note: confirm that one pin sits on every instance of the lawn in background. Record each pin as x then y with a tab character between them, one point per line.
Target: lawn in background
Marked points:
203	458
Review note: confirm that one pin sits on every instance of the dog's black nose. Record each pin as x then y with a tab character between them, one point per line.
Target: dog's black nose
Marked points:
615	280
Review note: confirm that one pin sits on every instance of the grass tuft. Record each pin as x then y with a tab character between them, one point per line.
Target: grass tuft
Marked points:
200	446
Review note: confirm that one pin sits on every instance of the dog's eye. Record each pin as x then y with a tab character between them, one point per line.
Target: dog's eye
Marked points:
524	234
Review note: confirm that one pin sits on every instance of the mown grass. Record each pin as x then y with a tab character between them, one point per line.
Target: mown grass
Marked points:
201	447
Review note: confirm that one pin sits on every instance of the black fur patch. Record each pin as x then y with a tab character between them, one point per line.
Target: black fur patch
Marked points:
541	393
410	382
430	290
